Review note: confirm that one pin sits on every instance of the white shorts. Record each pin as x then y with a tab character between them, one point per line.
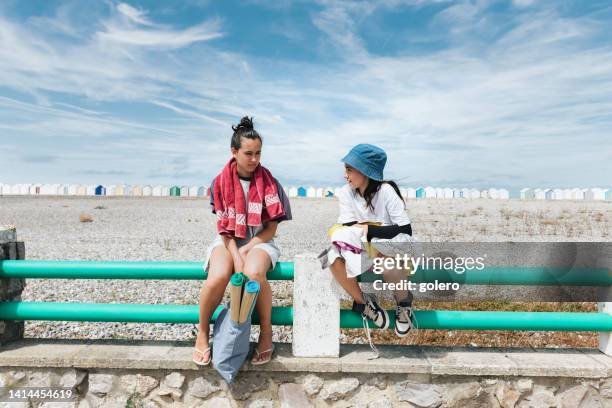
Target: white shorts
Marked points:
270	248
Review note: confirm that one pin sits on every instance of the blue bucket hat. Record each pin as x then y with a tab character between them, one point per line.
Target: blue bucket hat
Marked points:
368	159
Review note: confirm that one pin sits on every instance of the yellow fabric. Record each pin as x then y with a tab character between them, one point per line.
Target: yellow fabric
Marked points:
372	252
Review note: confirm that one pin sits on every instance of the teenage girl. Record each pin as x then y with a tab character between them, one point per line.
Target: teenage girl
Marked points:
369	198
249	204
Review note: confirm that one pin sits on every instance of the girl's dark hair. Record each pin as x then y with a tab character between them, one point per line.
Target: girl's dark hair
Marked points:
374	186
244	129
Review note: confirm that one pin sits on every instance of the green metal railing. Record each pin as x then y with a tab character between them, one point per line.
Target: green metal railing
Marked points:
426	319
119	270
521	275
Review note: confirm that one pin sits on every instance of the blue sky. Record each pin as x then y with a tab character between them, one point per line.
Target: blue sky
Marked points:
462	93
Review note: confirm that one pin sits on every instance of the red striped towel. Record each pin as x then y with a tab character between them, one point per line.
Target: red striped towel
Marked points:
230	204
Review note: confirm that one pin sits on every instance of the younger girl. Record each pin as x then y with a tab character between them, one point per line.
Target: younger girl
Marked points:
249	204
368	198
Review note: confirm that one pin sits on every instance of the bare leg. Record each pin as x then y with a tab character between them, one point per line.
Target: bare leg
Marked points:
256	266
397	276
351	285
220	270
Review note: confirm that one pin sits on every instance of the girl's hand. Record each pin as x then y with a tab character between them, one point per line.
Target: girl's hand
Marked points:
244	251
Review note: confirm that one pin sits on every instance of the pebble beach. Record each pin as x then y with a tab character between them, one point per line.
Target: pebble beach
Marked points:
179	229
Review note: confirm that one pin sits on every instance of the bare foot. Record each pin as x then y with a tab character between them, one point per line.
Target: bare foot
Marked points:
202	352
264	347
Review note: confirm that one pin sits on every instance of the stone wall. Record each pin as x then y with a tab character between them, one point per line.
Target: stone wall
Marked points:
188	388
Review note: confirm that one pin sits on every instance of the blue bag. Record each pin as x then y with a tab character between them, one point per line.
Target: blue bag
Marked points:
230	345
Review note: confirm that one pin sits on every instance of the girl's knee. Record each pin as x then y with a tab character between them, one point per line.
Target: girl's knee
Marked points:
217	282
255	273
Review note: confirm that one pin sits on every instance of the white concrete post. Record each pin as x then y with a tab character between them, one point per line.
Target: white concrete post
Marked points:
605	338
316	310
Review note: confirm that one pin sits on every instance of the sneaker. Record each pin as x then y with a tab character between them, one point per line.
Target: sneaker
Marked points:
403	318
372	311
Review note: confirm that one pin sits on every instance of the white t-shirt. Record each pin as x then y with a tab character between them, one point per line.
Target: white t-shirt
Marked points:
388	207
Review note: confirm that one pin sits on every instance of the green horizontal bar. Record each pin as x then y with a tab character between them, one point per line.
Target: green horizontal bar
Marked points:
425	319
479	320
120	312
514	275
119	270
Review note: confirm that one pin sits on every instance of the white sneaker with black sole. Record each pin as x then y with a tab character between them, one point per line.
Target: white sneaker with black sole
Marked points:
372	311
403	319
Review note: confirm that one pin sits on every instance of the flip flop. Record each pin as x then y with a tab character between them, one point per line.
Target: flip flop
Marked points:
258	353
203	363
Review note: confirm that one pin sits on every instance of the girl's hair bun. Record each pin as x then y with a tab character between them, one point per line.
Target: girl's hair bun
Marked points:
246	123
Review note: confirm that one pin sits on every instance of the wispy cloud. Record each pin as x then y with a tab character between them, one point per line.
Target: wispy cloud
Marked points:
521	92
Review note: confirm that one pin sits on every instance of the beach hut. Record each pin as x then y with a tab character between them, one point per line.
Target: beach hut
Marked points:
311	192
81	190
584	193
420	192
147	191
503	194
301	192
557	194
329	192
609	194
111	190
100	190
165	191
292	192
410	192
184	191
319	192
49	189
527	194
457	193
599	193
73	189
403	192
484	193
548	193
430	192
193	191
35	189
137	191
175	191
120	190
447	193
439	192
201	191
63	190
539	194
474	193
24	189
465	193
157	191
493	193
14	189
567	193
578	194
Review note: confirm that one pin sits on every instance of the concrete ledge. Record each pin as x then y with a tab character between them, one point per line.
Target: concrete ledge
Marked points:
166	355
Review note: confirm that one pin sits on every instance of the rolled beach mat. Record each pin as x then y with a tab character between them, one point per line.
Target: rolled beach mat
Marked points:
235	295
251	290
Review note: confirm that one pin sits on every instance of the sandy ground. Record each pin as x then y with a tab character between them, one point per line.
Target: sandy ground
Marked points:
180	229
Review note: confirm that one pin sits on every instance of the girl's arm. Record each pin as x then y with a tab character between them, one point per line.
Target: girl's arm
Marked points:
230	244
264	235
